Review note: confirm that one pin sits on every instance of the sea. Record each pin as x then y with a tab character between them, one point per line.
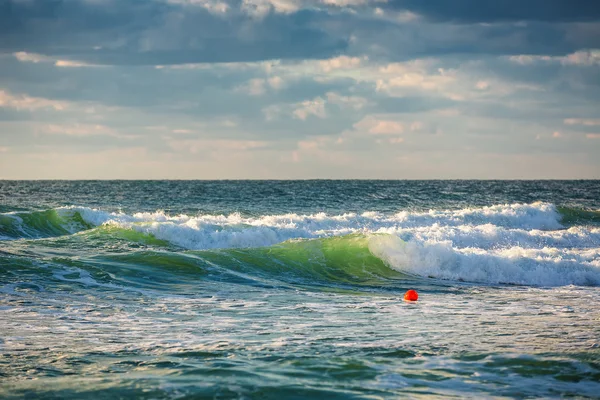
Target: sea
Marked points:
295	289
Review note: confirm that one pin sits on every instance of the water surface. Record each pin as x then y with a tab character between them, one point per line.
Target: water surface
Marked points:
293	289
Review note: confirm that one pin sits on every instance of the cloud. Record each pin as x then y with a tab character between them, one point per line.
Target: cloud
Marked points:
261	8
329	105
582	121
353	102
254	87
159	33
214	7
82	130
340	62
376	126
259	86
25	102
342	33
199	146
397	83
37	58
579	58
302	87
306	108
473	11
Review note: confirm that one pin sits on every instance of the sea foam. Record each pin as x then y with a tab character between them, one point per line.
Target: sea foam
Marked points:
524	222
514	265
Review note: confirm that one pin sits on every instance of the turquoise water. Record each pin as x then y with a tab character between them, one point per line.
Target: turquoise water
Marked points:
293	289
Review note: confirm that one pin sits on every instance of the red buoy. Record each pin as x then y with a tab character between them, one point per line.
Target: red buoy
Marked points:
411	295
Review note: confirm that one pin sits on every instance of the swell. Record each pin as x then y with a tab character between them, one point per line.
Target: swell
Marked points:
327	263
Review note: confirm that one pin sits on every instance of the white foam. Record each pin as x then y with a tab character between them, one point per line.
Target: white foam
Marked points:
489	236
516	265
486	224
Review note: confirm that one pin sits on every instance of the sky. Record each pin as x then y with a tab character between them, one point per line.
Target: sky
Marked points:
299	89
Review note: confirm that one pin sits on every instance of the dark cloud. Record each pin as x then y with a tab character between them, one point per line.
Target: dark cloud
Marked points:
473	11
151	32
409	41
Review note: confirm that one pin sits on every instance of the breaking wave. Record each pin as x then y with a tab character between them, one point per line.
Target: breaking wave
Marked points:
535	244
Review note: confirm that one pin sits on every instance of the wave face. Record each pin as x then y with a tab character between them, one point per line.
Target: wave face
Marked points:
40	224
524	244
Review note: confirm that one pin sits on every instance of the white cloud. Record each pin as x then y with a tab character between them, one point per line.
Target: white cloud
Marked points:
376	126
344	3
482	85
587	58
398	79
314	107
310	144
341	62
260	8
25	102
31	57
38	58
402	17
258	86
276	82
579	58
254	87
214	7
71	64
582	121
525	59
593	136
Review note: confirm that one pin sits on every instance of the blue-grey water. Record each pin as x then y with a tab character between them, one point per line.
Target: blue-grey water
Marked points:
294	289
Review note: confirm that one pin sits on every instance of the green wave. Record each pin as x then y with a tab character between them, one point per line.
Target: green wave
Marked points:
112	232
573	215
329	262
40	224
343	260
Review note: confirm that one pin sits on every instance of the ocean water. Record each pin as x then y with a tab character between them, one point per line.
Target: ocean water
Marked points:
294	289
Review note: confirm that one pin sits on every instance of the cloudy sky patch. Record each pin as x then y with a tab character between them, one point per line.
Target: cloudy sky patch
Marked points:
218	89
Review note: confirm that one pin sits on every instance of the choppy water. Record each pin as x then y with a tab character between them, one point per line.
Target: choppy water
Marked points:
293	289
